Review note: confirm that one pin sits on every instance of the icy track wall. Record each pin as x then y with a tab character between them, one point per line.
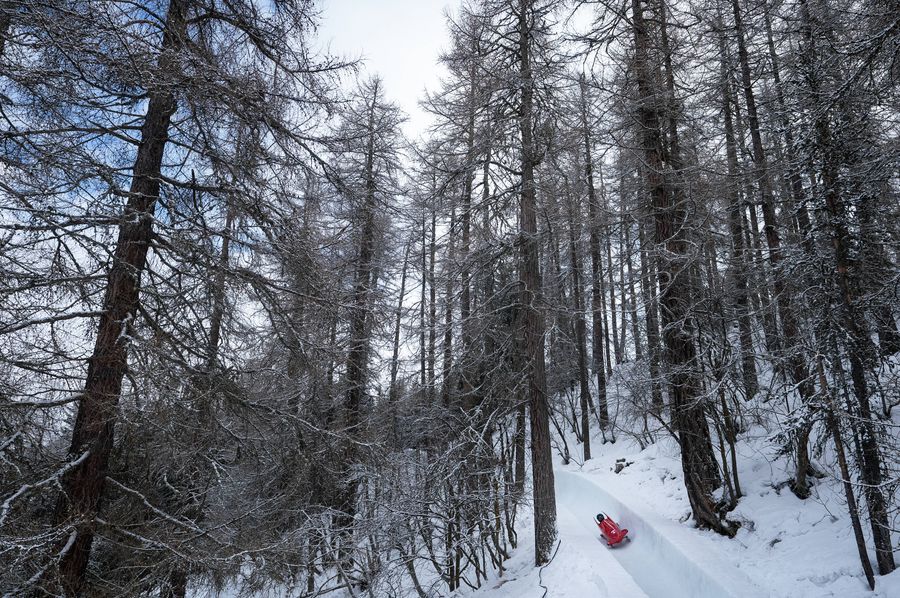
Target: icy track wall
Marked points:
665	559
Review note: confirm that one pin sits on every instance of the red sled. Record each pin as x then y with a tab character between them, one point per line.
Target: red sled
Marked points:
612	533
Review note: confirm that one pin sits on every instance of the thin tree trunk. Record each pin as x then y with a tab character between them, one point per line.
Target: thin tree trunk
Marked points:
793	166
356	366
488	273
648	291
6	9
760	282
635	325
596	264
432	307
853	322
398	319
835	429
622	281
447	368
614	325
423	348
465	302
783	296
738	266
357	356
218	292
580	327
852	318
178	579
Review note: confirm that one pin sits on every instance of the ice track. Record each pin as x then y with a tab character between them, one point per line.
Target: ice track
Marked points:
664	560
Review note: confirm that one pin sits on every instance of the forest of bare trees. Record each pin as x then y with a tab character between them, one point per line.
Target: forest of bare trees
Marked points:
253	336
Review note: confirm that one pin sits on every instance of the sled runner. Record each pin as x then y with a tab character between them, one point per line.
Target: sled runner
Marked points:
612	533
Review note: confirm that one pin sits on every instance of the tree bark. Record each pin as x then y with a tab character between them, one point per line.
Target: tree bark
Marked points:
622	282
6	9
649	298
793	166
432	306
356	358
613	329
635	325
423	348
835	429
688	411
398	319
541	460
580	328
447	368
82	486
596	263
783	296
465	300
853	321
739	266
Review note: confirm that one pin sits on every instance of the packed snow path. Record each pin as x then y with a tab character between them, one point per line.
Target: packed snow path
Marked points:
663	560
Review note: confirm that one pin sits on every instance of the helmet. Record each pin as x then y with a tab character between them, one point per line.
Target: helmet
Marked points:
600	517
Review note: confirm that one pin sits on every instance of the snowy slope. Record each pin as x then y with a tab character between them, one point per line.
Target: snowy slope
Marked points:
786	548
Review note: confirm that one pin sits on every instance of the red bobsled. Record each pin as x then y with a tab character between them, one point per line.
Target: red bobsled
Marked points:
612	533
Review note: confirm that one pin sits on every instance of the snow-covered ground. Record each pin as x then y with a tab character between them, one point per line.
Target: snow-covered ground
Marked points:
785	548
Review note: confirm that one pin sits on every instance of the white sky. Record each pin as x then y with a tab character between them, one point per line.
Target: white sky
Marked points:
399	40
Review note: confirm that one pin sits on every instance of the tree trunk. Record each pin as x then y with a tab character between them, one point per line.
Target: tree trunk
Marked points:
688	412
519	448
465	300
648	292
358	353
356	358
447	368
783	297
596	264
398	319
793	166
635	325
852	318
613	329
541	459
835	429
738	266
853	321
580	327
423	348
622	282
432	307
179	577
6	9
759	279
82	486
